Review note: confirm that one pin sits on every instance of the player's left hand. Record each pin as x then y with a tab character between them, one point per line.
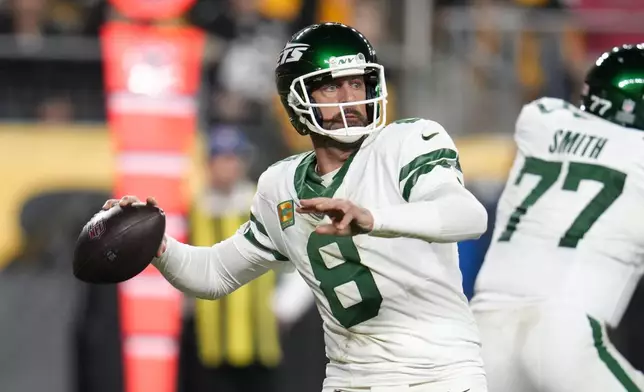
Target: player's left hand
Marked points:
346	218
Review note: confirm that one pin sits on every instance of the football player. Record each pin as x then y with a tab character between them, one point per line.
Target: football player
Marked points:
370	219
567	250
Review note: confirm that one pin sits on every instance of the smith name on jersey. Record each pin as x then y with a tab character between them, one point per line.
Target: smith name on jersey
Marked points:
575	199
393	308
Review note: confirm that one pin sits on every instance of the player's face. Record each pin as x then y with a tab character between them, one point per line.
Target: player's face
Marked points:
342	90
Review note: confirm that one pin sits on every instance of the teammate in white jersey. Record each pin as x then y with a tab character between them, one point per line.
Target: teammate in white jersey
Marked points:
369	219
568	247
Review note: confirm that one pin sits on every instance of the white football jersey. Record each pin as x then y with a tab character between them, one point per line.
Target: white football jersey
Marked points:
393	308
570	222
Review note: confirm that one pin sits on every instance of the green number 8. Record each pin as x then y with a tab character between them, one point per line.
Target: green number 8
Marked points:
348	270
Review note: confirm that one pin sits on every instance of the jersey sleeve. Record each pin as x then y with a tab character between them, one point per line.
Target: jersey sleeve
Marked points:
258	244
428	159
255	241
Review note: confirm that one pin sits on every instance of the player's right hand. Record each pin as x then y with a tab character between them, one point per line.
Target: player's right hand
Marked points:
133	200
128	200
347	219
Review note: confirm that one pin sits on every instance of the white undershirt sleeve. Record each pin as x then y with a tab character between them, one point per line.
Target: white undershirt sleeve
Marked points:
439	210
211	272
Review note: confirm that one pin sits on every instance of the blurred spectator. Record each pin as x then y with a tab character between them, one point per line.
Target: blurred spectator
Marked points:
238	87
251	43
230	153
368	18
28	21
55	88
31	20
51	90
66	16
550	63
57	110
95	14
232	344
255	120
496	55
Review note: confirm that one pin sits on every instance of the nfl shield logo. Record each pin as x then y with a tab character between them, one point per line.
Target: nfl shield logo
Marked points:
628	106
96	229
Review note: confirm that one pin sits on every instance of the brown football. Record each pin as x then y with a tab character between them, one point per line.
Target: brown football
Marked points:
117	244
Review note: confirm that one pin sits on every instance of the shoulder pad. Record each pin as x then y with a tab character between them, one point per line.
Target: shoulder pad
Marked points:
407	129
546	105
536	112
277	170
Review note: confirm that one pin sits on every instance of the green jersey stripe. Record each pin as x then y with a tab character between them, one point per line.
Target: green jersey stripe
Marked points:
259	225
426	168
608	359
250	236
430	157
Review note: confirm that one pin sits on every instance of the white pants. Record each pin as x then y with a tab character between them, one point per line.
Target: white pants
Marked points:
545	347
468	384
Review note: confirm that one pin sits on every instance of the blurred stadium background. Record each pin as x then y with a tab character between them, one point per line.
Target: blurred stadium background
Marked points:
91	106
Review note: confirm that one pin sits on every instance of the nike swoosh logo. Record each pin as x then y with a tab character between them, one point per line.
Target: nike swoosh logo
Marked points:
426	138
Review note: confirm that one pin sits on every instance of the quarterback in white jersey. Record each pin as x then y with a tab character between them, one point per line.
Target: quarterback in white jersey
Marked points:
568	247
369	219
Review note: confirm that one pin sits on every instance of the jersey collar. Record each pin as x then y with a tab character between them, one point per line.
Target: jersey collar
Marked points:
308	183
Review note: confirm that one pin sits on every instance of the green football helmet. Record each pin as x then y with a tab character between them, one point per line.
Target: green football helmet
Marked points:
614	88
315	56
